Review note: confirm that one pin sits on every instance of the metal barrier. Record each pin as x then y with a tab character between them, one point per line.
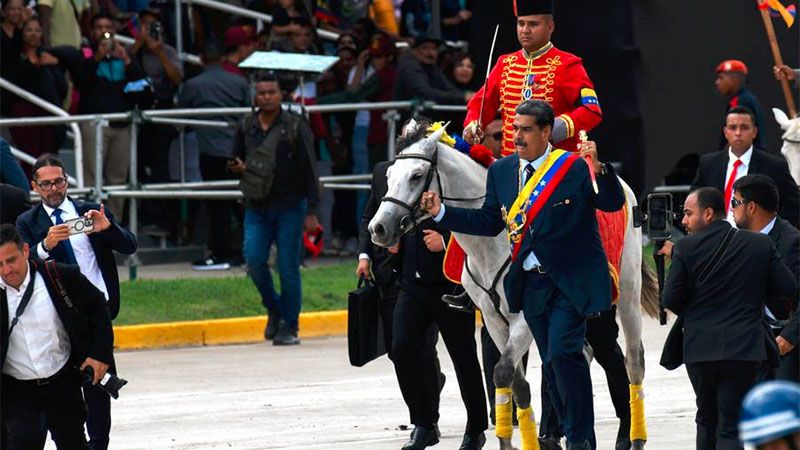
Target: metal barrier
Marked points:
49	107
219	190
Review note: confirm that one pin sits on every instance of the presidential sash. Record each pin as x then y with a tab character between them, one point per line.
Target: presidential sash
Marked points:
534	195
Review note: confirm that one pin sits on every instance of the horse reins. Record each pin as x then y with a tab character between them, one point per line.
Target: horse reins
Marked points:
405	227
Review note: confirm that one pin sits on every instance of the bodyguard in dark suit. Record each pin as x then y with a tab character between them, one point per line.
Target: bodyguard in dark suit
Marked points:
718	282
43	228
560	274
716	169
14	202
384	265
756	199
54	336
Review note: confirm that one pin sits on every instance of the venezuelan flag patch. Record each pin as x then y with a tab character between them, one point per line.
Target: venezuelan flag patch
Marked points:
589	99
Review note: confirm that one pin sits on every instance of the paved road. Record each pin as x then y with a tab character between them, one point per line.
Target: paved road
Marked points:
264	397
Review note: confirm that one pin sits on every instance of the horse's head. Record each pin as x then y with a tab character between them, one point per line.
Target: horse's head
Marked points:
411	174
791	141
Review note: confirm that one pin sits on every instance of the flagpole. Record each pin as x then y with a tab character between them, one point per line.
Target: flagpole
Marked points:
776	54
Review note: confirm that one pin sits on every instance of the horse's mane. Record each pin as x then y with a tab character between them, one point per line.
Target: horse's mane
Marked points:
411	137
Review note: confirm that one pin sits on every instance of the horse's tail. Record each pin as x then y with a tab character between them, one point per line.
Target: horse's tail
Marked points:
649	300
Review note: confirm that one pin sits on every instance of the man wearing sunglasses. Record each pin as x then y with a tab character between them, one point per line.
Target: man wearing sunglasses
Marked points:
754	204
44	229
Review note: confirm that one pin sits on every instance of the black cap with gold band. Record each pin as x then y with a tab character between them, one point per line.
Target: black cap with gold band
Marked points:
532	7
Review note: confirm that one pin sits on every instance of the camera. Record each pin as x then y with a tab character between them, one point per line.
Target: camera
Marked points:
80	225
659	216
107	42
156	31
109	383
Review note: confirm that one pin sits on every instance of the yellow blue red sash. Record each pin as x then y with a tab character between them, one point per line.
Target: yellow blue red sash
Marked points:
534	195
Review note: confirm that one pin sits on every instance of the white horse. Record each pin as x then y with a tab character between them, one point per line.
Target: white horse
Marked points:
791	141
427	164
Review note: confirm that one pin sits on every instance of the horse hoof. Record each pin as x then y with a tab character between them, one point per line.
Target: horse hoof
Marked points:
623	444
638	444
505	444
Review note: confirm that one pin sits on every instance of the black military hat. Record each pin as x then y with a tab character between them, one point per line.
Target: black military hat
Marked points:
532	7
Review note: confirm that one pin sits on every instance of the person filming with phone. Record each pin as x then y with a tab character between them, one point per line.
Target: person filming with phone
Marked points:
84	234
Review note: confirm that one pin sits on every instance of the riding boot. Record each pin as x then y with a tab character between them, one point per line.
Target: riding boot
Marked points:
459	302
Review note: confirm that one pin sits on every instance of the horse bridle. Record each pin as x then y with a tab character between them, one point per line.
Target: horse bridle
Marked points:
413	218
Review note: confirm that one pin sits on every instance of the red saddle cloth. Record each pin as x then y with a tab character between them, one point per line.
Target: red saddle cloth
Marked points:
612	234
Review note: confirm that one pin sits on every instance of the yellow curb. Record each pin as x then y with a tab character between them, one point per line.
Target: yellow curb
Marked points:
222	331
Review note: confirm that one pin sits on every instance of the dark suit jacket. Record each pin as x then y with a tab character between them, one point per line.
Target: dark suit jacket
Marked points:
564	235
787	240
87	321
33	226
384	264
723	314
713	166
13	202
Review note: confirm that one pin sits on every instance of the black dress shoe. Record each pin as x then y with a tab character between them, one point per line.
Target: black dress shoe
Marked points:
473	442
272	327
623	436
550	442
459	302
422	437
582	445
286	335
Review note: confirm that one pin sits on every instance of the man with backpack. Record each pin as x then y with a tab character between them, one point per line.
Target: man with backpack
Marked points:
274	154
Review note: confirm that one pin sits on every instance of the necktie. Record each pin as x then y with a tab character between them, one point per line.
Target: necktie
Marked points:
66	244
729	184
527	174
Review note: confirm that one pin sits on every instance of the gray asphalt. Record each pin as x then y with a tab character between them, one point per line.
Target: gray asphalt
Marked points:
309	397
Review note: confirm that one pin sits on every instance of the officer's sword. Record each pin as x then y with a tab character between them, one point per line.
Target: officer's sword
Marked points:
486	80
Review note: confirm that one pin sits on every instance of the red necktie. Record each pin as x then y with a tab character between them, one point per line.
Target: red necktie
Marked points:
729	184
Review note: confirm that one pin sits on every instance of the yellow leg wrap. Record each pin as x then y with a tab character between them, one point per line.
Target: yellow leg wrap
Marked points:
502	411
638	425
527	429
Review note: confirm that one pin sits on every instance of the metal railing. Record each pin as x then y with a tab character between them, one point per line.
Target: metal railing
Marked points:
218	190
51	108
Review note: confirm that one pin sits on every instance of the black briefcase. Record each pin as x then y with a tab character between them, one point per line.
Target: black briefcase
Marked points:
364	325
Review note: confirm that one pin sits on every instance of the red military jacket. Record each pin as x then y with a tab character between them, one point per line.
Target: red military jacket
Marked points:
546	74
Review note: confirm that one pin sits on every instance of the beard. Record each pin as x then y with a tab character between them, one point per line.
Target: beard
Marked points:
54	200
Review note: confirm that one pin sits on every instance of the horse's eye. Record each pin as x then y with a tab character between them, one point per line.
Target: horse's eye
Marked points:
416	177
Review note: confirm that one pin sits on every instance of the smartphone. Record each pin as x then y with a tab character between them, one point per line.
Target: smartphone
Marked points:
659	216
155	31
79	225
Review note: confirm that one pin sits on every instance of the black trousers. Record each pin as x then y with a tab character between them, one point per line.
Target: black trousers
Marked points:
222	241
601	333
98	420
788	369
720	387
414	314
429	369
28	410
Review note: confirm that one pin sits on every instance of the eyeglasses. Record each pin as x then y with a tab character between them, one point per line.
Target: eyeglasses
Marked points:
47	185
735	202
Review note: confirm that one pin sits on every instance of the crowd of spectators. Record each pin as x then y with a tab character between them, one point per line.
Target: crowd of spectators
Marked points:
67	54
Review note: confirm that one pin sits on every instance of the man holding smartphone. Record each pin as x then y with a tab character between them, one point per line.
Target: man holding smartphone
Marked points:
45	229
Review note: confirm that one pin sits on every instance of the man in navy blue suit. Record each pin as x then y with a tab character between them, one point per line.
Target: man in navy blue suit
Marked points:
545	200
43	228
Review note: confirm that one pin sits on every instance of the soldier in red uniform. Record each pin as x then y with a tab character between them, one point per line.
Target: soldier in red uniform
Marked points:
537	71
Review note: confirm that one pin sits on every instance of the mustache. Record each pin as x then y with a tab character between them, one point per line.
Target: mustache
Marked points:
519	143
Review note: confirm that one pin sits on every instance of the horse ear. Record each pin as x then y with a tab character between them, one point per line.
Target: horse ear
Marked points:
781	118
430	143
411	126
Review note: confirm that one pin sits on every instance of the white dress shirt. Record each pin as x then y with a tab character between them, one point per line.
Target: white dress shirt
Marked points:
38	346
740	172
84	253
531	261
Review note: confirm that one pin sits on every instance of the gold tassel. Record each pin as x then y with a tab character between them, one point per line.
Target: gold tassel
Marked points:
502	411
638	424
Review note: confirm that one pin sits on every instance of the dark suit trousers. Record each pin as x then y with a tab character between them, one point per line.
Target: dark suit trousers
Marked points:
601	333
98	421
559	331
26	408
720	387
429	369
413	315
790	367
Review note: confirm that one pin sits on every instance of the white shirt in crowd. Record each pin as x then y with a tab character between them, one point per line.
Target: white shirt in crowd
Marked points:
84	253
740	172
38	346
